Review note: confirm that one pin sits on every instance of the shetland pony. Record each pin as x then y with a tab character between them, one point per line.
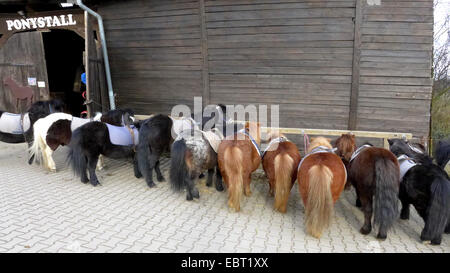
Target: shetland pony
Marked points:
443	153
154	139
93	139
427	188
375	174
37	110
321	179
56	129
193	152
413	150
239	157
280	161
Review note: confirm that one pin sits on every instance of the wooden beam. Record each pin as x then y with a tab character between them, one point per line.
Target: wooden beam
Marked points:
205	65
354	95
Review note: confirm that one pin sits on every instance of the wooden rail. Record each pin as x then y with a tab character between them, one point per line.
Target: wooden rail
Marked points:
325	132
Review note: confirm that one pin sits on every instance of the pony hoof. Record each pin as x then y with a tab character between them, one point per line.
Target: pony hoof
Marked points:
84	181
201	176
435	242
404	217
95	184
189	198
365	231
161	179
381	237
219	188
151	184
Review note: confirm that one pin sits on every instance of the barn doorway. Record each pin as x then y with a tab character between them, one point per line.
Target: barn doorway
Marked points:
64	61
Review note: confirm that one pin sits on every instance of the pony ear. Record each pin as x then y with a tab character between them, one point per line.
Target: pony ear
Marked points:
390	141
329	139
353	136
312	139
247	125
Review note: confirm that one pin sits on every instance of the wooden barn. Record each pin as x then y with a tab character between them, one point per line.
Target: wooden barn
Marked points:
331	64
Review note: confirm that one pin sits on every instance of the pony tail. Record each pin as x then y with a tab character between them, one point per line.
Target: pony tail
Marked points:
386	193
283	179
233	168
143	150
35	151
319	206
75	157
439	208
178	170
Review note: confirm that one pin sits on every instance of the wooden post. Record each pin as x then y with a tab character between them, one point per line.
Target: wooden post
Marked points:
87	29
354	95
205	66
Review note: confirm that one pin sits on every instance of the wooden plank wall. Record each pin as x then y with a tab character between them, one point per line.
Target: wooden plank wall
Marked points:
22	56
295	53
395	67
155	53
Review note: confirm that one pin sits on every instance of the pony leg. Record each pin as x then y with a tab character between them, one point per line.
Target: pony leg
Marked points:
404	214
219	182
49	159
100	164
191	191
210	177
149	175
92	163
367	209
447	229
83	177
247	181
159	175
137	172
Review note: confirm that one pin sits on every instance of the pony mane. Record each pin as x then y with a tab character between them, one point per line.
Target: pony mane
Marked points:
345	145
319	141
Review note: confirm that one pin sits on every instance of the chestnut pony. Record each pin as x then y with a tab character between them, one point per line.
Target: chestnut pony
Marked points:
238	158
280	161
321	179
375	174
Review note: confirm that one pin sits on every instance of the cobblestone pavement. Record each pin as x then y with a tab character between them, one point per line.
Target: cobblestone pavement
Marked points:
55	212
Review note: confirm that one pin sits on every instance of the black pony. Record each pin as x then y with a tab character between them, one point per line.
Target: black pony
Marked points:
442	153
37	110
154	139
427	187
90	141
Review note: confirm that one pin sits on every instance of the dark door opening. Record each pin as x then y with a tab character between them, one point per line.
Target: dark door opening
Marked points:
64	59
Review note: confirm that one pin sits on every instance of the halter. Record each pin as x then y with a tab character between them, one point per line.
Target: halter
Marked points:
244	132
273	141
359	150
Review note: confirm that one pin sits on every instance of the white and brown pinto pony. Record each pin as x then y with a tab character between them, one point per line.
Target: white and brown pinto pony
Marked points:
51	132
321	179
238	157
280	160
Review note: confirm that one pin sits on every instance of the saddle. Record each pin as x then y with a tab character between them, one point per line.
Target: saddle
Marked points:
272	142
405	163
214	138
359	150
321	149
14	123
123	135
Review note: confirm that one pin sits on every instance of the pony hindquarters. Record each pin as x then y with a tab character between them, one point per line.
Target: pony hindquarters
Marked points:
231	167
319	202
438	212
154	138
284	169
180	165
386	194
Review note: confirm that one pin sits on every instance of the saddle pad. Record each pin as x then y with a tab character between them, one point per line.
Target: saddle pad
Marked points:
12	124
214	138
270	146
244	132
182	124
78	122
120	135
405	164
321	149
358	151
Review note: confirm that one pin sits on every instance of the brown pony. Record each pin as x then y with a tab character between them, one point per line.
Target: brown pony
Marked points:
321	179
375	174
280	161
238	158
